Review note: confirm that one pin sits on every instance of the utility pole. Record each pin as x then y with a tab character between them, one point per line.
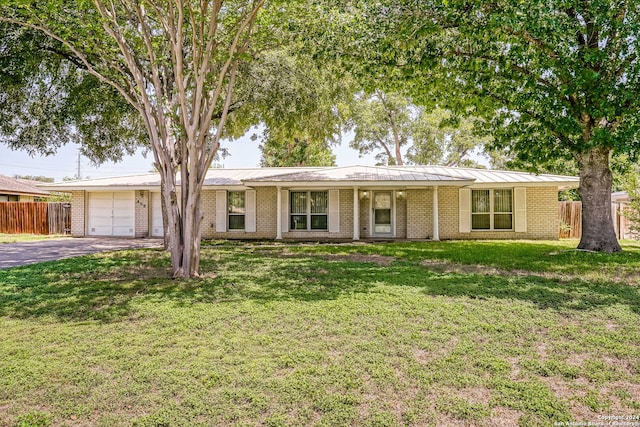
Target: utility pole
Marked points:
78	176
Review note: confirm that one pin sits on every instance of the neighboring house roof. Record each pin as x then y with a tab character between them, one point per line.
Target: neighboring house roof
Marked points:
20	187
408	176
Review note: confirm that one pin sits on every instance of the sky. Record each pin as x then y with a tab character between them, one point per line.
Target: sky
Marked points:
244	153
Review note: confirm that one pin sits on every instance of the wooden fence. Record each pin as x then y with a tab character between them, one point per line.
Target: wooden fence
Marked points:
570	214
35	218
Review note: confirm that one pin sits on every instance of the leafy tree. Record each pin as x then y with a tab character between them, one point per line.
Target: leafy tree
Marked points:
47	100
554	80
382	121
630	182
176	64
298	102
39	178
296	151
390	122
449	142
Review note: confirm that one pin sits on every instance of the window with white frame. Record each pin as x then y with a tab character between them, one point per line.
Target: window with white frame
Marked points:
309	210
492	209
236	210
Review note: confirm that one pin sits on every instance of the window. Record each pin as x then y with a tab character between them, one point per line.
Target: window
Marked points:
309	210
492	209
236	209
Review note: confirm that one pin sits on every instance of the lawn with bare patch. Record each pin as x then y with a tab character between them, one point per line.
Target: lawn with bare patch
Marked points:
448	333
17	238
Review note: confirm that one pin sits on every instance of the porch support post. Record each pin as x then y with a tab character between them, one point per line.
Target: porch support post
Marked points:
436	227
356	214
278	213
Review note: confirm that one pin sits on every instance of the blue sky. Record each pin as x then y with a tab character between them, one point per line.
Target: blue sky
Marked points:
244	153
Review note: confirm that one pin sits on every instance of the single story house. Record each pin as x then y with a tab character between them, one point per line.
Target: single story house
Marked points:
622	223
20	190
326	203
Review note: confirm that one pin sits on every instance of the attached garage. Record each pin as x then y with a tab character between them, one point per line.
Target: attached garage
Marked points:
111	214
157	227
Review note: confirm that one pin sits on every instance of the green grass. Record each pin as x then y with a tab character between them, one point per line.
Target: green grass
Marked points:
451	333
16	238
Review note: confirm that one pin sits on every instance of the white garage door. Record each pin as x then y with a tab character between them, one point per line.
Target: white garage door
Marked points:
111	214
157	228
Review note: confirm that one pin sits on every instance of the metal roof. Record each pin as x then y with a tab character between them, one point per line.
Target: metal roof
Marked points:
332	176
349	174
215	177
488	176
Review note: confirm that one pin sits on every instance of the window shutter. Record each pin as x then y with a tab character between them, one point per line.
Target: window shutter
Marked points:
334	211
464	199
520	209
284	220
221	211
250	211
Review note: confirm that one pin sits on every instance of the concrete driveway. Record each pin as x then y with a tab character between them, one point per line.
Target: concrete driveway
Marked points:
25	253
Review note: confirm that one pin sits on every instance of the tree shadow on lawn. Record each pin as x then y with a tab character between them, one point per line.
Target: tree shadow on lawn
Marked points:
75	289
561	257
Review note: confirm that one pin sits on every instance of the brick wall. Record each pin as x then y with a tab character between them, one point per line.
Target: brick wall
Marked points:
419	214
401	217
365	217
142	213
542	216
346	222
414	216
266	210
77	213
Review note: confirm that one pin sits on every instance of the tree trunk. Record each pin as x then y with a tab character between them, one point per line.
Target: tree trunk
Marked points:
598	233
172	218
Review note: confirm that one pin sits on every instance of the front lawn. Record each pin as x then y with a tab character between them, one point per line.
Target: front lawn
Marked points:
17	238
450	333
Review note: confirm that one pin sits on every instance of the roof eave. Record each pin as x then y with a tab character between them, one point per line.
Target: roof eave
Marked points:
348	183
24	193
561	185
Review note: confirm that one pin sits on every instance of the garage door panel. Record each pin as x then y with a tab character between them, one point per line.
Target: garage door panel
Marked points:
123	231
122	220
122	213
157	227
104	221
100	231
122	204
101	204
111	214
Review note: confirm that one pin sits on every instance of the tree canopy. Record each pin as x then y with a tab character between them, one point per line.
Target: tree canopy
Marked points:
48	100
553	80
176	64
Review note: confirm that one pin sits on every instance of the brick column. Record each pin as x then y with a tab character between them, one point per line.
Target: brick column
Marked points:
278	213
356	214
436	226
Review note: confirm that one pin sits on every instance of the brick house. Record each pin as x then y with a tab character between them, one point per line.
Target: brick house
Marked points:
333	203
20	190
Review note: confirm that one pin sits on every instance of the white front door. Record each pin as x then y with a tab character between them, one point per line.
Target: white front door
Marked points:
382	205
111	213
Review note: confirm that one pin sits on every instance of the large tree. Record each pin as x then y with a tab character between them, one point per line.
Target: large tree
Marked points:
449	141
297	150
47	100
176	63
383	122
562	80
554	79
298	101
